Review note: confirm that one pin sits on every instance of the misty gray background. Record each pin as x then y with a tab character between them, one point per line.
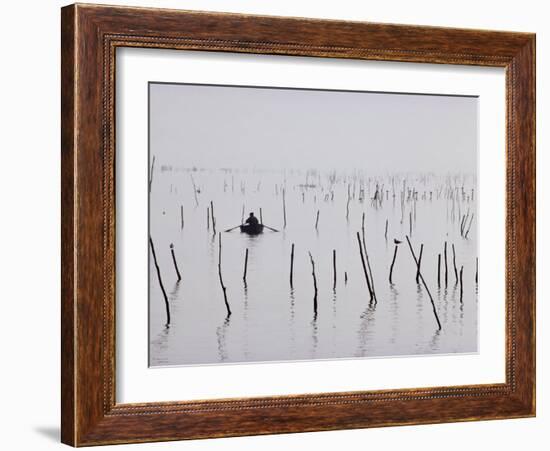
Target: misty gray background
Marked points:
218	126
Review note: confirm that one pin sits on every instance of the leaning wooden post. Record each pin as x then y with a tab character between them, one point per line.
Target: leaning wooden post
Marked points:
167	305
419	263
181	215
224	289
364	266
175	262
292	266
245	265
367	257
314	285
386	231
317	220
425	285
461	286
207	218
151	175
393	263
454	264
469	225
334	269
261	216
438	270
213	218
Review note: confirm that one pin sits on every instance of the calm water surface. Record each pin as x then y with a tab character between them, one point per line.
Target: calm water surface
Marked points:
271	320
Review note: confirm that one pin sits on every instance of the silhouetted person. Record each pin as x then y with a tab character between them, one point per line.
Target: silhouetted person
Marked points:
252	220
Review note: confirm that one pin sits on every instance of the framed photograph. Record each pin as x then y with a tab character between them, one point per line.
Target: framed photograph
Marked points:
279	225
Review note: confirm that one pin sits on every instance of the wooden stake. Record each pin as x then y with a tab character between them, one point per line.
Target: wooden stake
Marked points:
367	257
476	268
175	262
261	216
393	263
292	266
213	218
469	225
386	231
419	263
194	191
207	218
224	289
425	285
438	270
245	265
151	175
167	305
181	215
454	264
314	285
461	286
334	268
317	220
364	265
446	270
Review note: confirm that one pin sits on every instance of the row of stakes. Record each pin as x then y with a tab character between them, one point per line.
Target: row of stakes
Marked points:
365	262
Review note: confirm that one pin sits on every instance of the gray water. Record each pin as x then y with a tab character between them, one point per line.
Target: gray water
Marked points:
271	321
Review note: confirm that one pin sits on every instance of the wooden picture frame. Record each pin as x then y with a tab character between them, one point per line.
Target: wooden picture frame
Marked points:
90	36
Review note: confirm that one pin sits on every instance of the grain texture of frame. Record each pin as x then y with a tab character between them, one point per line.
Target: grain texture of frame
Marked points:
90	35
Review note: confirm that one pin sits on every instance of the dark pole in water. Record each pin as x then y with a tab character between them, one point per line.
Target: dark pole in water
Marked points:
292	266
364	265
445	255
454	264
469	225
334	268
386	232
207	218
151	176
367	257
160	282
245	265
345	277
242	215
213	218
419	263
181	214
220	275
317	220
314	285
425	286
461	286
476	268
261	216
175	262
438	270
392	263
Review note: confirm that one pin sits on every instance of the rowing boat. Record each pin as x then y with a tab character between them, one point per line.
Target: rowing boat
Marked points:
252	229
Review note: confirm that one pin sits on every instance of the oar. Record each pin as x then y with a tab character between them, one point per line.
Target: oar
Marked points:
232	228
270	228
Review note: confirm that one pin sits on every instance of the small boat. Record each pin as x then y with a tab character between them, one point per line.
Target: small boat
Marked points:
250	229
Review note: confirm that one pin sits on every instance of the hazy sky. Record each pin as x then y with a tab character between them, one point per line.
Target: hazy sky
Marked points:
237	127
